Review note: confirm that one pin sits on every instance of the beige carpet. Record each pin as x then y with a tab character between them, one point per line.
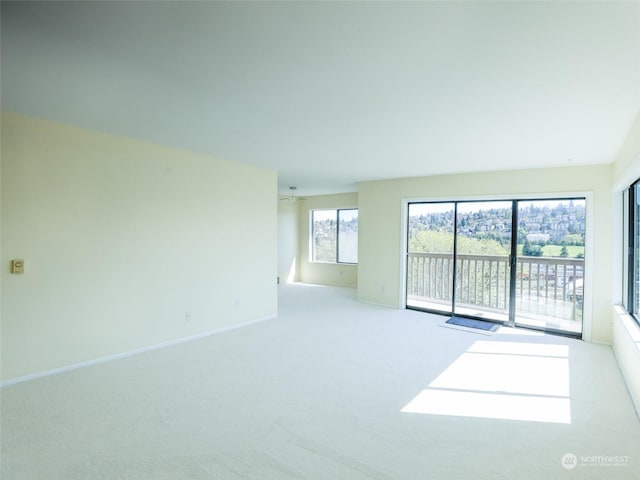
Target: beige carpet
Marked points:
332	389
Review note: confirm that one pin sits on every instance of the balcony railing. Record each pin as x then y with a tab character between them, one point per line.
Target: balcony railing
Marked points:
545	287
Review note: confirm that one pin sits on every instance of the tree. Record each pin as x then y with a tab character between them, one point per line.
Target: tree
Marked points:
441	241
564	252
522	233
529	250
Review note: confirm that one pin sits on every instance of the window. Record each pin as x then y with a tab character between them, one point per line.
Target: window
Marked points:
334	235
632	238
347	236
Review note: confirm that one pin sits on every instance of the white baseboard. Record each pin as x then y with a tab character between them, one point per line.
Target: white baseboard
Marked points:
376	304
138	351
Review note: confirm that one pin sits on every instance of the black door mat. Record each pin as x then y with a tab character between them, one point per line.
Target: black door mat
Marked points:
474	324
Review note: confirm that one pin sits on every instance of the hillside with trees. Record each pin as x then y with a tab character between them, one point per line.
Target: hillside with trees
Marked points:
543	230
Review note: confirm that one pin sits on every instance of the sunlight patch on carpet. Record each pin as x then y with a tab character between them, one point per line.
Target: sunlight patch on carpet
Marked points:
503	380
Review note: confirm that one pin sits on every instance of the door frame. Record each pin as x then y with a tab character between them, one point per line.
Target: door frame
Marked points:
587	314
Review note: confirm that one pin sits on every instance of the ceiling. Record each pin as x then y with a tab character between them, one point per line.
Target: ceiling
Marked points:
333	93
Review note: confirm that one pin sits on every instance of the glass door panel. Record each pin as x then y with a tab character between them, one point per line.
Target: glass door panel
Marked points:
430	256
482	266
550	265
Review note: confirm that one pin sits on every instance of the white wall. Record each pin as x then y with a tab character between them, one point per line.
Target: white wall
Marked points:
324	273
288	241
627	166
626	346
120	239
381	225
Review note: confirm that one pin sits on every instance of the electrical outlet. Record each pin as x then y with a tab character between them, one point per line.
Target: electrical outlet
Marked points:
187	316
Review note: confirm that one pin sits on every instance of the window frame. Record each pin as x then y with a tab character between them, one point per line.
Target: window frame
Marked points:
312	245
631	253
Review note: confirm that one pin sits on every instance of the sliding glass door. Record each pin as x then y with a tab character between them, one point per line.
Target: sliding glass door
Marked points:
550	267
430	258
519	262
483	248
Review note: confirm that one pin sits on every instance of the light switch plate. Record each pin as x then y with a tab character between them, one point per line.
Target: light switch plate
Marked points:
17	266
